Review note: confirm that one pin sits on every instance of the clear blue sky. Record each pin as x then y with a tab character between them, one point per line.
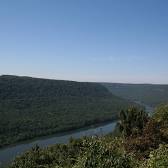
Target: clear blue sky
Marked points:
85	40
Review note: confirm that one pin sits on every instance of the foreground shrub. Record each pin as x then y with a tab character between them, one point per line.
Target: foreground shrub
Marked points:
93	152
158	158
143	144
161	115
132	121
59	155
105	155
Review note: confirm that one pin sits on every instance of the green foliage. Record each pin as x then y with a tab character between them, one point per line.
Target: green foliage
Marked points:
31	107
59	155
154	133
147	149
158	158
101	154
161	114
91	152
132	121
141	145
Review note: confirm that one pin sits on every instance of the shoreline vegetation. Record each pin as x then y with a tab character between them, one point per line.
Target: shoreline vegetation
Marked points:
62	133
140	141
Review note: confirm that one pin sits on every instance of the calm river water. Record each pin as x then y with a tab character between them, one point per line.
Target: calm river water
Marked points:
7	154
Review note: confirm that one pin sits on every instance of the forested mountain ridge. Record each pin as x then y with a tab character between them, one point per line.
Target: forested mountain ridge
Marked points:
31	107
12	87
150	94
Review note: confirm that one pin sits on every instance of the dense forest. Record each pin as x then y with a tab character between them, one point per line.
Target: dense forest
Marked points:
139	141
149	94
31	107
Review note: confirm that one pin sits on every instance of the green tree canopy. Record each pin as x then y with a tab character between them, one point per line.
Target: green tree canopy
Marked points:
132	121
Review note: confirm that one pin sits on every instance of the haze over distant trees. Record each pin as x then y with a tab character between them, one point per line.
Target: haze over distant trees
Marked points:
149	94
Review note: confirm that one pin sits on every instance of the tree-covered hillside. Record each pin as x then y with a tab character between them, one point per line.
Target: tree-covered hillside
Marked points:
152	95
31	107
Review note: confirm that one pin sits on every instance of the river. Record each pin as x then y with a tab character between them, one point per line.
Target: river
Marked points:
7	154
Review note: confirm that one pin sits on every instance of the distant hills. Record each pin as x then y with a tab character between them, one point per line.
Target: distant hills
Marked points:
31	107
149	94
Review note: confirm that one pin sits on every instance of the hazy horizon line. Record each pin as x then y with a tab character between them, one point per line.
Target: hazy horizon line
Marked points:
93	81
